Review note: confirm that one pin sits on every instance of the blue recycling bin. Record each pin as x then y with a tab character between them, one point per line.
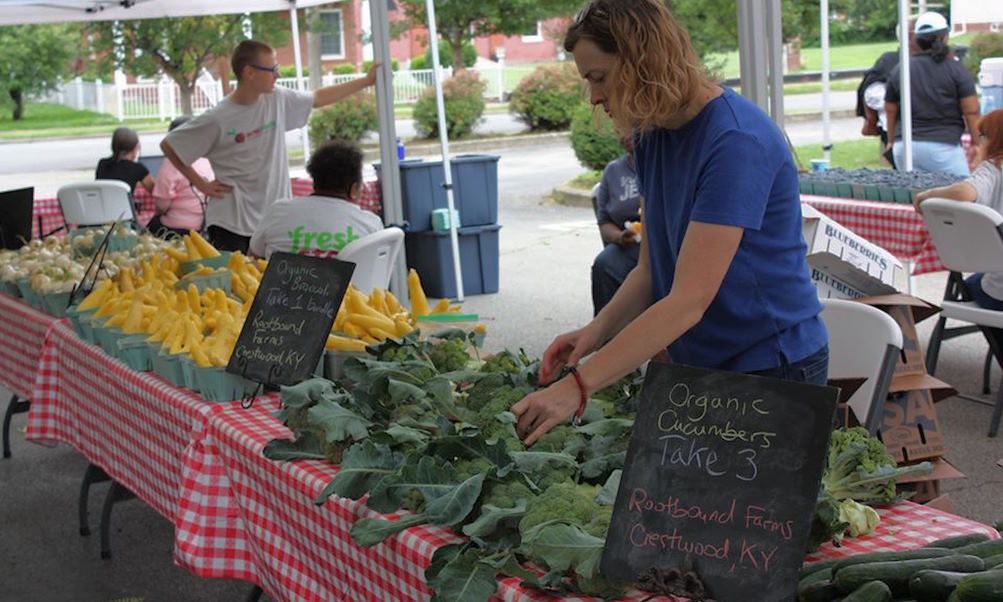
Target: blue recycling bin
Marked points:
475	190
991	99
431	255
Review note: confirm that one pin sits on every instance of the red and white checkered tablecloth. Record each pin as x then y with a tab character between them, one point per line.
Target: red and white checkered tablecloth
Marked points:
896	227
133	425
304	552
47	210
22	334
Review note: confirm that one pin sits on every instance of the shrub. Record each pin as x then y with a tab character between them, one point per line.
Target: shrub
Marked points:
463	95
394	65
343	69
593	137
984	46
290	71
419	62
546	99
469	54
349	119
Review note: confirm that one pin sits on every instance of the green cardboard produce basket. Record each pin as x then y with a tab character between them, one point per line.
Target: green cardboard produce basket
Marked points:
188	369
10	287
122	242
213	262
334	362
88	327
55	303
28	294
216	384
77	319
108	337
168	366
133	350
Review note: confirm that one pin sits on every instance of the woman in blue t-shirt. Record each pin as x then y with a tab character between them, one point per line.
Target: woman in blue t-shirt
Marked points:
722	281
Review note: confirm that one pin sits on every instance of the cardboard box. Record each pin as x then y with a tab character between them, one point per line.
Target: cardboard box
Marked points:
829	287
849	258
907	311
910	428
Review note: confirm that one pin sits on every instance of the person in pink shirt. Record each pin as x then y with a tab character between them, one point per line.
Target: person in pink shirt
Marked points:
179	208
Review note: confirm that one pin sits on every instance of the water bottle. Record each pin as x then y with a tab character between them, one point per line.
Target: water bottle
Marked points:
400	150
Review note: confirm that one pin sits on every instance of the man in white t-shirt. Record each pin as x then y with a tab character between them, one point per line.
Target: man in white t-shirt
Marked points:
244	139
324	222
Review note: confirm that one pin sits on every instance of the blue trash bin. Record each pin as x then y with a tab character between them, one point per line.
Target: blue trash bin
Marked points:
431	255
475	190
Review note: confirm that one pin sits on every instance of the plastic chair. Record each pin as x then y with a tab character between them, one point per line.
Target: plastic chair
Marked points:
96	203
374	256
864	342
968	238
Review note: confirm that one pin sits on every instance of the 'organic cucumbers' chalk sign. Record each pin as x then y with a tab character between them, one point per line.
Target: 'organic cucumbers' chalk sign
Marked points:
285	330
723	468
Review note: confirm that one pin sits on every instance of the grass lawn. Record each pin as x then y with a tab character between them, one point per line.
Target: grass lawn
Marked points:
853	154
44	120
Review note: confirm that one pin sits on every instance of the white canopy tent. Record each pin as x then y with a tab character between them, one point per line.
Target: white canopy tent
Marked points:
20	12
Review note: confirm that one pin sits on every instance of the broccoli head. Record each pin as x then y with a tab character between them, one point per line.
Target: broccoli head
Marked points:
396	353
567	502
507	494
600	586
504	363
561	438
877	454
501	399
415	501
449	355
466	468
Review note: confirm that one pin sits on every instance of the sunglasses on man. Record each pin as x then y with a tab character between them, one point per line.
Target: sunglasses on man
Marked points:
274	70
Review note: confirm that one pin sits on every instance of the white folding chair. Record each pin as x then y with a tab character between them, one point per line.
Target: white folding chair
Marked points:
864	342
968	238
95	203
374	256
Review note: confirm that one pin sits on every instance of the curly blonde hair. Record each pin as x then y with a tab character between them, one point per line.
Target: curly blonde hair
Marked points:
657	70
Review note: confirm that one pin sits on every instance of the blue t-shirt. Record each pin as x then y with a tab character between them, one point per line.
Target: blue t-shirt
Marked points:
730	165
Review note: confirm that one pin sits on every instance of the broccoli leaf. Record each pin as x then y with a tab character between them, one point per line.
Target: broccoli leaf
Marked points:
362	467
401	392
305	447
451	508
533	462
564	547
338	423
470	448
597	467
422	472
607	495
486	524
406	434
443	556
465	579
307	392
368	532
610	427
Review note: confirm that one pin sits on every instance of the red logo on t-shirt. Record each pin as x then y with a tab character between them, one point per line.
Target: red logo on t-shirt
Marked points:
319	253
240	138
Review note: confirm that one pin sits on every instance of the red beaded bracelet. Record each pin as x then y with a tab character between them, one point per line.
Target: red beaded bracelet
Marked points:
585	397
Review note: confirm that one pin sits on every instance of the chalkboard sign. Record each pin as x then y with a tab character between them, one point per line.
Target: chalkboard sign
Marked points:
287	326
722	468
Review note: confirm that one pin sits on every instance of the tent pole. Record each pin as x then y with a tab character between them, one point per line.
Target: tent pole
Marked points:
390	184
304	131
826	110
444	141
905	85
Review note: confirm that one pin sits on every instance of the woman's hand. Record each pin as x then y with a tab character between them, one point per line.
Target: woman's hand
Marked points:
542	410
567	350
627	238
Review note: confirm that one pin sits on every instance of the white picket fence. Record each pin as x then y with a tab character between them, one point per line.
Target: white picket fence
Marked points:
161	99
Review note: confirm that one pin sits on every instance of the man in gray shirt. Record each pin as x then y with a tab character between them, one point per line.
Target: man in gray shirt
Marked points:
244	139
618	201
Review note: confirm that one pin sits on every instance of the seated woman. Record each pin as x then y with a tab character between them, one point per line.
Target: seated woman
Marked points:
178	207
324	222
617	201
985	187
122	165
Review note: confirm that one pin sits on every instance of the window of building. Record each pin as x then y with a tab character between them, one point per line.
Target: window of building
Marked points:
994	27
535	34
332	36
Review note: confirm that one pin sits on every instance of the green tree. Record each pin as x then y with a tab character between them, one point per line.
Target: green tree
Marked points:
460	21
33	58
181	48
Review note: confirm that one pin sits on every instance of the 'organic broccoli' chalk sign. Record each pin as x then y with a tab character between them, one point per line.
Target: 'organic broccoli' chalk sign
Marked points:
287	326
721	475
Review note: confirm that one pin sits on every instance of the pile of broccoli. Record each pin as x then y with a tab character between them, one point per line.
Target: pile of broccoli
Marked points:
427	428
